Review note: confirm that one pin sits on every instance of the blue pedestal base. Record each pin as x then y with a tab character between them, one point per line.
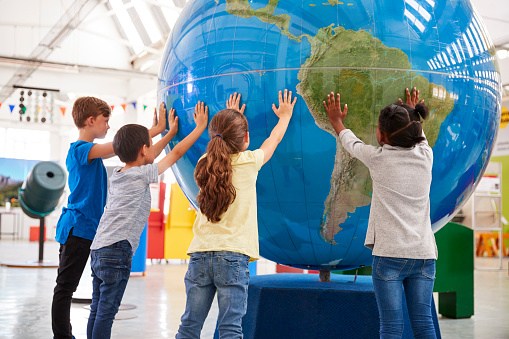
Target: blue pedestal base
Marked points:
299	306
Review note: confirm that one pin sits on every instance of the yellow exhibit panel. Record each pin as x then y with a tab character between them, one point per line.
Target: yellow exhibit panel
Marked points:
179	225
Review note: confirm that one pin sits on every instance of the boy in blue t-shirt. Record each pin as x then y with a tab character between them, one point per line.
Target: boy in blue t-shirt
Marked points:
78	222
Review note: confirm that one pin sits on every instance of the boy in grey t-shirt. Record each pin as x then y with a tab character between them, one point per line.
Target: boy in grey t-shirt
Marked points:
127	211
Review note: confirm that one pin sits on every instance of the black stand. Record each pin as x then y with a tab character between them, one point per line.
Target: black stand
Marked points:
41	263
41	239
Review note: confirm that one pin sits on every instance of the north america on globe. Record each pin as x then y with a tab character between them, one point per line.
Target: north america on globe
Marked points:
369	76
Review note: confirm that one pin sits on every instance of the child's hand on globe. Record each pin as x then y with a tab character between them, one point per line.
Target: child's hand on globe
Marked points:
411	99
286	105
173	122
333	109
234	103
201	115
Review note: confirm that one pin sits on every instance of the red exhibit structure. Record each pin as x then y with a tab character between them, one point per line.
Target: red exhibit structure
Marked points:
156	222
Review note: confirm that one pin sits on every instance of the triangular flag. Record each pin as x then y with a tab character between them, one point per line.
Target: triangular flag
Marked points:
123	106
1	105
144	107
112	107
11	107
24	109
134	104
63	110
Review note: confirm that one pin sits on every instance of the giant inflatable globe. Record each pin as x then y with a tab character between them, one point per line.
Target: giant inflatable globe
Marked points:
313	197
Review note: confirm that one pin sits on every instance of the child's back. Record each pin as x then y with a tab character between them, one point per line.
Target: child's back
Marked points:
400	205
128	206
238	226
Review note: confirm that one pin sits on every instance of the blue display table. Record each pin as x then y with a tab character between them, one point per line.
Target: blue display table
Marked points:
299	306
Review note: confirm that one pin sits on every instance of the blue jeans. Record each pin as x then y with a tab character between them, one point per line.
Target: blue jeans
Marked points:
226	272
415	277
111	267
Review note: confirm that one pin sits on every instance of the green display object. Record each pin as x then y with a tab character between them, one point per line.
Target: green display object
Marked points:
42	189
454	271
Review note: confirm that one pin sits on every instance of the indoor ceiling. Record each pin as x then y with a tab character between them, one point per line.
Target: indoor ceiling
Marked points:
106	42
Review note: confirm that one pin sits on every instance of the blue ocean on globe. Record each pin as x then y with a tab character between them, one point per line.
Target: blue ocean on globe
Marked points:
313	197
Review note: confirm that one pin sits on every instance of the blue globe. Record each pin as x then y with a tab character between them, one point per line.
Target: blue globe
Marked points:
313	197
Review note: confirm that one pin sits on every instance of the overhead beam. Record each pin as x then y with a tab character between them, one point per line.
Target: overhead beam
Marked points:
74	68
71	19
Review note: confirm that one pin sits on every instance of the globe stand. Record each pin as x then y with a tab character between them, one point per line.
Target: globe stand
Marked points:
290	305
324	275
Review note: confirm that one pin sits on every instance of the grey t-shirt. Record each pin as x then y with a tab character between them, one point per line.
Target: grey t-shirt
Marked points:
399	221
128	206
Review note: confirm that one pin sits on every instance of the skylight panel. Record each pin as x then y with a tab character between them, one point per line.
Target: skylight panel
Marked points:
127	25
148	21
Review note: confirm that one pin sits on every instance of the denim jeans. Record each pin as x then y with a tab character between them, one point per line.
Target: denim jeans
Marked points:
73	257
226	272
415	277
111	267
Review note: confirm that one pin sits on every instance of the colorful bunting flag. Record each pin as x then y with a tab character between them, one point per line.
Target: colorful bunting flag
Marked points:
11	107
123	106
134	104
144	107
112	107
63	110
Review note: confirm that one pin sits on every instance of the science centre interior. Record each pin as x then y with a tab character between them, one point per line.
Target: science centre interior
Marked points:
330	222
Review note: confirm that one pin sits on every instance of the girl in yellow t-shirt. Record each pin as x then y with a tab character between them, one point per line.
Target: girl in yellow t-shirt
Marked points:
226	227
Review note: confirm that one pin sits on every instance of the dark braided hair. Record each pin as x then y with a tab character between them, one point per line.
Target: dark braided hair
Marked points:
402	124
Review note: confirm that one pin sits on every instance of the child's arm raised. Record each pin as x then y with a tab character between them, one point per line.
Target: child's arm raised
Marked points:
161	124
104	151
201	117
173	123
336	116
284	113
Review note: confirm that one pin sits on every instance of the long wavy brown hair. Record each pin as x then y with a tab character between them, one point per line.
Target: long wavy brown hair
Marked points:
214	172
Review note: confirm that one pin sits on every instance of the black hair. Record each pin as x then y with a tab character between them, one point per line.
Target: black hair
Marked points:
129	140
419	112
401	124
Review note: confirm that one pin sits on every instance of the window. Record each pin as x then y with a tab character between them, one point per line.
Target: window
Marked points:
25	144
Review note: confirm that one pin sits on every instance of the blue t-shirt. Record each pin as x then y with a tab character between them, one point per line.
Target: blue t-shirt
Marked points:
88	185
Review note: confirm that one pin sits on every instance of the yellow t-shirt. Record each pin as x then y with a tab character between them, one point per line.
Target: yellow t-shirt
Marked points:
237	231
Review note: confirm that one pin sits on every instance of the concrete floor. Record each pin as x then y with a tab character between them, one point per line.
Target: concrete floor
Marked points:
159	297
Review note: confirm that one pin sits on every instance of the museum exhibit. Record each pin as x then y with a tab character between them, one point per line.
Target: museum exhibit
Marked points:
313	169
